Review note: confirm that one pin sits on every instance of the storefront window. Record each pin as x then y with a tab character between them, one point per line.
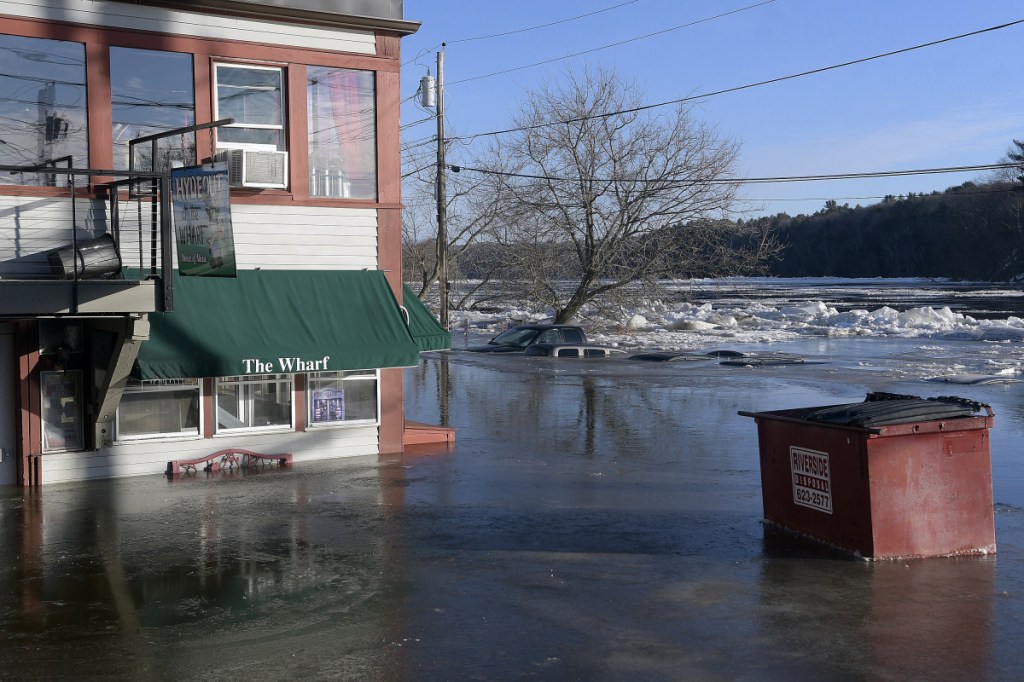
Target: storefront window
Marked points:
42	107
254	97
254	402
162	407
342	133
151	91
342	397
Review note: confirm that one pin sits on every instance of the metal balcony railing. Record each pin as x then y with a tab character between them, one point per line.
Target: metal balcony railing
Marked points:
74	225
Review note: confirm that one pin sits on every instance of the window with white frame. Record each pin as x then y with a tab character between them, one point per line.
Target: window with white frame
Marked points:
254	97
160	407
337	398
262	401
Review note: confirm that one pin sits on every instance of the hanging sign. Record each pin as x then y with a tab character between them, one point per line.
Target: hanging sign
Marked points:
202	220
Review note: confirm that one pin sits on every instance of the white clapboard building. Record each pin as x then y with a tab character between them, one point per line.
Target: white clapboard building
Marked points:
200	234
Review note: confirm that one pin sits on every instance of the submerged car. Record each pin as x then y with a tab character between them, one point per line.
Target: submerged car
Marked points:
518	338
571	350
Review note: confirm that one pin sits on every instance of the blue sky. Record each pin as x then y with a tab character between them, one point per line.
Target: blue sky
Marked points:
954	104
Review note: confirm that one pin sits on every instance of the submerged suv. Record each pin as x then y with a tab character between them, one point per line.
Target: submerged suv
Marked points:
518	338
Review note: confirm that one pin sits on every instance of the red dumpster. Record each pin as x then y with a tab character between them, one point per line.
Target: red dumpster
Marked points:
892	477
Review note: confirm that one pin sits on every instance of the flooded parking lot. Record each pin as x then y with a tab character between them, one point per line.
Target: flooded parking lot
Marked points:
593	521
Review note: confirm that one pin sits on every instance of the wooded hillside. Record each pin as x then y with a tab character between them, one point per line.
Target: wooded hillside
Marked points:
970	231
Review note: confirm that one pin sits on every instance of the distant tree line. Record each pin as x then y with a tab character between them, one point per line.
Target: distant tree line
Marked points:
968	232
973	231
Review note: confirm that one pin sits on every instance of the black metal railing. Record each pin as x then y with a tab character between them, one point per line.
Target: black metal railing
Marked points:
90	228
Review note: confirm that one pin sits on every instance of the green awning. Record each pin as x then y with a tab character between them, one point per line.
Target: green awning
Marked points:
277	321
427	332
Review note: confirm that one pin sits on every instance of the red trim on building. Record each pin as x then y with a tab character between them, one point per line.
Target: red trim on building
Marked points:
298	132
206	395
388	45
100	118
299	401
392	411
202	83
27	402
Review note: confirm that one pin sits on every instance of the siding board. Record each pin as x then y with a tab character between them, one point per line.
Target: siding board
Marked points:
207	26
150	457
271	237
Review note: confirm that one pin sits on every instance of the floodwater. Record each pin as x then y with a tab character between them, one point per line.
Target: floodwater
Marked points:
595	520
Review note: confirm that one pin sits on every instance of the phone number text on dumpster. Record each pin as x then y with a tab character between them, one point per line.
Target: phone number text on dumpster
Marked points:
812	478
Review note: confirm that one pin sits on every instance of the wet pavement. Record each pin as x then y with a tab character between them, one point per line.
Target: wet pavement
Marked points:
594	521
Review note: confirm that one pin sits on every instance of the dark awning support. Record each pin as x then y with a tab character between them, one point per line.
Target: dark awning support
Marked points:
277	322
128	334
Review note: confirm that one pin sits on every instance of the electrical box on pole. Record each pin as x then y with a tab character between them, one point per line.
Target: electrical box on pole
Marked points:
427	91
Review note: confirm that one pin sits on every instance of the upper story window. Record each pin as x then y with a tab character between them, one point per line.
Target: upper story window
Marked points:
254	97
151	92
42	106
341	106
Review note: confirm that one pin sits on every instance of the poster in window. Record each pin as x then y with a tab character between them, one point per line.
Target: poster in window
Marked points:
62	411
201	198
328	406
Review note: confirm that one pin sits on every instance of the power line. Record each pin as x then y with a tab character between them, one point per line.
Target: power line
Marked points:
742	87
419	143
916	195
520	30
418	170
415	123
751	181
605	47
547	25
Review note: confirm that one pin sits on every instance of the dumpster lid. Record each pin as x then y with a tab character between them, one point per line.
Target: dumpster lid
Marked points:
883	409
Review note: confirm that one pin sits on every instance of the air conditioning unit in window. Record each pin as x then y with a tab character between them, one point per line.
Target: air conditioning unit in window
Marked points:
255	168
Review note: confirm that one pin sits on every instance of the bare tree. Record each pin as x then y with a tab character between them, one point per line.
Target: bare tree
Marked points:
1012	178
1016	155
600	190
1013	173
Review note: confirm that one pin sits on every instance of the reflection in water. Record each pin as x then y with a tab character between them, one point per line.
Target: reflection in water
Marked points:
592	521
928	619
583	407
160	576
932	619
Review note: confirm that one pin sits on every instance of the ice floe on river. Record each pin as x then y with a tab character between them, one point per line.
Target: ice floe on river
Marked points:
688	325
955	333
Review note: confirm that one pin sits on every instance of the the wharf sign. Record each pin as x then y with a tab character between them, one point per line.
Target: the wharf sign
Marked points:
284	365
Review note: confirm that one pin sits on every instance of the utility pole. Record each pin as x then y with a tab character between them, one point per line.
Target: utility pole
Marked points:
442	198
